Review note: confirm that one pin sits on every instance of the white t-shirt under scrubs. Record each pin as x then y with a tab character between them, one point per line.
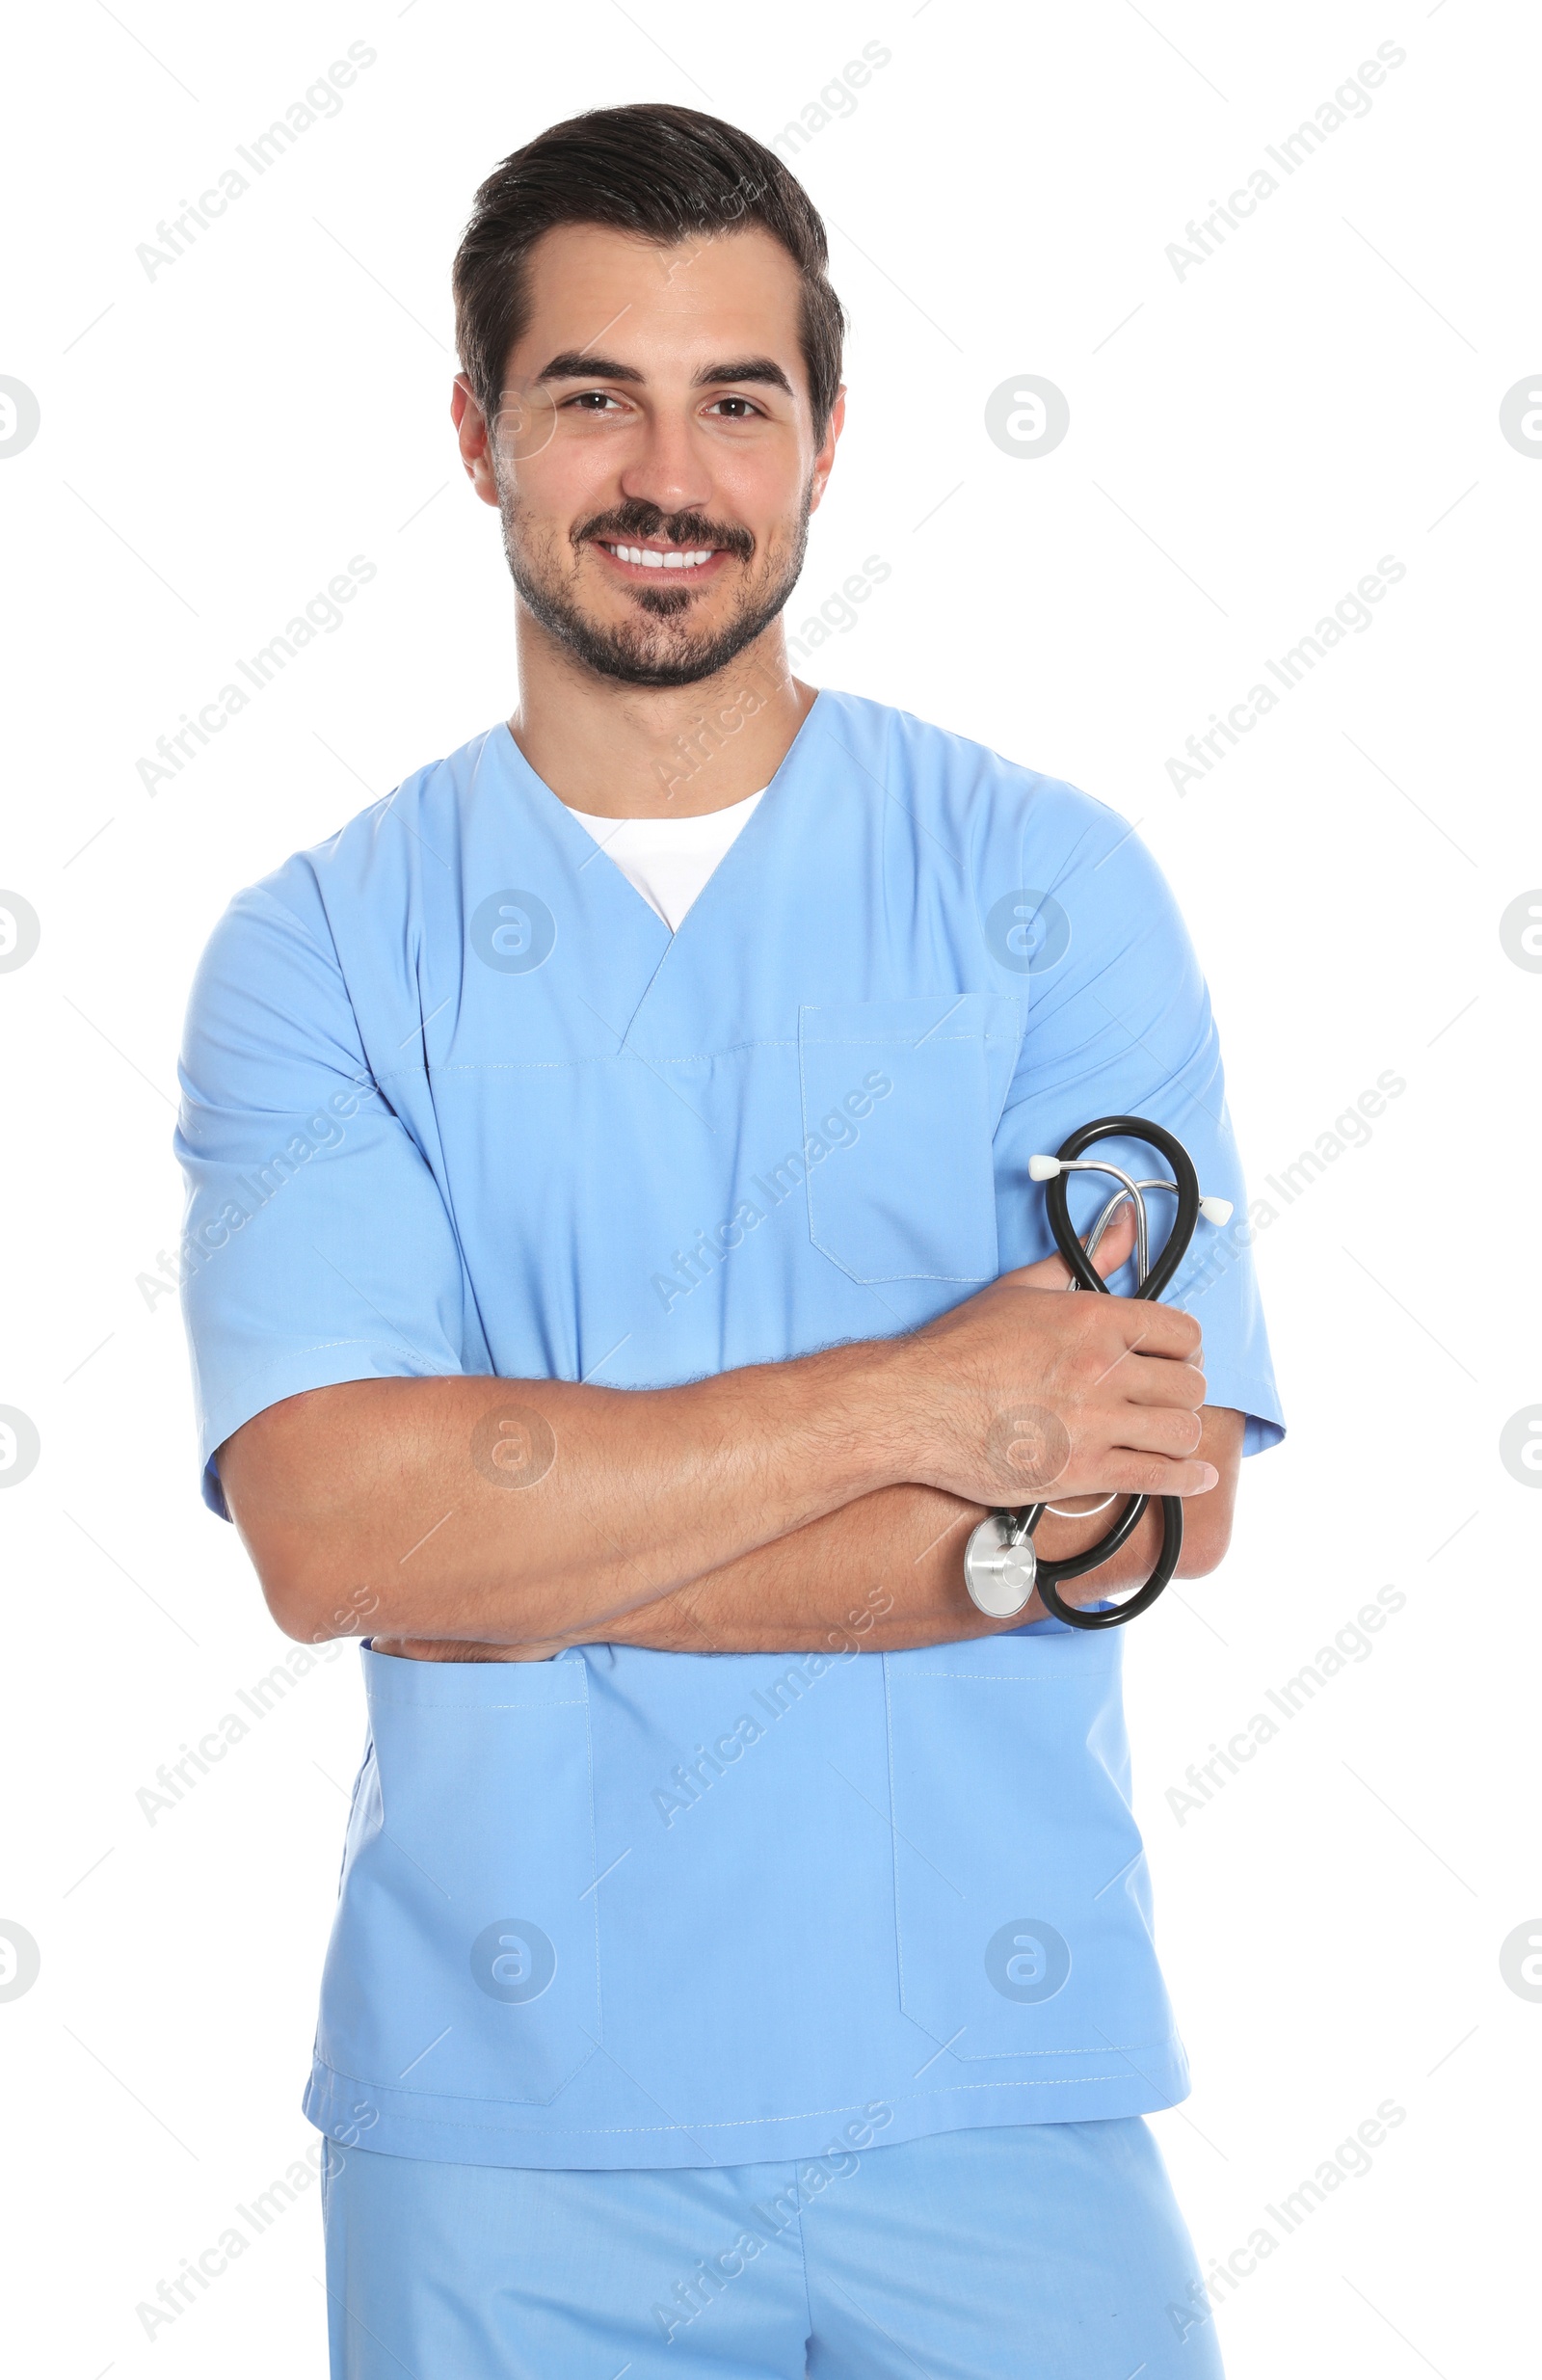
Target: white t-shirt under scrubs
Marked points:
669	860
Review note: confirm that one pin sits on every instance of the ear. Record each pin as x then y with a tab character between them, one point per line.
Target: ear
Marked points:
471	433
824	460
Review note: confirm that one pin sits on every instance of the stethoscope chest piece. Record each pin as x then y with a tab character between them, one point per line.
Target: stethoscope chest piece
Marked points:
999	1566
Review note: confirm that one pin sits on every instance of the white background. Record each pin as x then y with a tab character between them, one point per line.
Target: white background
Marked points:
1246	443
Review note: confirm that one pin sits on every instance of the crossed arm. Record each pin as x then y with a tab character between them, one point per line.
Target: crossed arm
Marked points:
887	1571
778	1507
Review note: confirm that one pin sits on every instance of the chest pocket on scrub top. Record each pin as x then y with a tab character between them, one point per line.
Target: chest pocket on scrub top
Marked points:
901	1097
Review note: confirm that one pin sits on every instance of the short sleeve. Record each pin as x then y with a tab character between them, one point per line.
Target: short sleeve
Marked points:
316	1247
1119	1023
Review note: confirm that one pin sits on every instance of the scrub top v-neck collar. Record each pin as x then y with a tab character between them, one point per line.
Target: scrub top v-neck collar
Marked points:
699	925
670	859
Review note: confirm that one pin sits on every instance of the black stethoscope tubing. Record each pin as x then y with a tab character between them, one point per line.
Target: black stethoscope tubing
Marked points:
1048	1575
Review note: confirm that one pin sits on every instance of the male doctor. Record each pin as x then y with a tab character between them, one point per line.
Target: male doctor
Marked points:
615	1283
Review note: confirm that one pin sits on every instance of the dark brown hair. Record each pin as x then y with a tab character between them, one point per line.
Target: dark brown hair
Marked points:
665	172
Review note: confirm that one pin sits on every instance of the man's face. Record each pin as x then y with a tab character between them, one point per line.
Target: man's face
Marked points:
655	463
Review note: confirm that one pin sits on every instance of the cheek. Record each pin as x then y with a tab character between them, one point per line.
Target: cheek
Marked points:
575	472
763	485
536	524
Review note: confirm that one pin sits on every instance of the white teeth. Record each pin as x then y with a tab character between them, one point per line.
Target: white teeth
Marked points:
648	557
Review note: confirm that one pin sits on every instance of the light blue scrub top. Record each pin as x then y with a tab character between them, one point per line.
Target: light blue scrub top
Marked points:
456	1102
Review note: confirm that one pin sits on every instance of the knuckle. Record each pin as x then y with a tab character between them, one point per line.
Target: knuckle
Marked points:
1084	1364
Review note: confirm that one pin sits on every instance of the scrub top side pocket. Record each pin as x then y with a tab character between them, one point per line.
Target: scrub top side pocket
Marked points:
1022	1898
465	1958
899	1103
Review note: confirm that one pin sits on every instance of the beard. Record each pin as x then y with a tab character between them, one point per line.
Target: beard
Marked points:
658	647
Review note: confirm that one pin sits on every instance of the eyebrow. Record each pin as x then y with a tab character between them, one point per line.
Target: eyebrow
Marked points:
756	370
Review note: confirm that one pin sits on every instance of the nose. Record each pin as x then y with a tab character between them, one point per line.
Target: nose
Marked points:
666	467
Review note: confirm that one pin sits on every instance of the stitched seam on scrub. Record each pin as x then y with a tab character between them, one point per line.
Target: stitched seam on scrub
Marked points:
990	1678
742	2124
803	2248
597	1058
687	1058
416	1702
314	1346
894	1857
594	1863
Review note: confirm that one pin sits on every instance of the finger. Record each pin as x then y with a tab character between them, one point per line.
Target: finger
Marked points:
1128	1472
1155	1329
1162	1430
1145	1431
1156	1380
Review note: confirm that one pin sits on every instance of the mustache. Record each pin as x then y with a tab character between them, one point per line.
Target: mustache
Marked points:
637	519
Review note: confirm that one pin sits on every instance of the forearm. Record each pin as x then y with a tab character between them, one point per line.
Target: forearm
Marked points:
517	1512
887	1572
529	1514
889	1569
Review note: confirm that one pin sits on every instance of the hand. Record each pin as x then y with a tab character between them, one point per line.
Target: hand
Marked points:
451	1648
1024	1391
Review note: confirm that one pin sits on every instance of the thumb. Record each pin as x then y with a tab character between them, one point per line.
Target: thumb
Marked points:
1118	1243
1115	1248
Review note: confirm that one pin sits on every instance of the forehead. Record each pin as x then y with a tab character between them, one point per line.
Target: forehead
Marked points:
665	310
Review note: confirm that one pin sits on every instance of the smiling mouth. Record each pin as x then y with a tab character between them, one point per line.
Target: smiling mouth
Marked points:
659	558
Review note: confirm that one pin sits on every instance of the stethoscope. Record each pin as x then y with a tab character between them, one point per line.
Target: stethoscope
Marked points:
1002	1566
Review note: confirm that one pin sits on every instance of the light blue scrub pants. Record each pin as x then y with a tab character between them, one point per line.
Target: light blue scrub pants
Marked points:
1045	2251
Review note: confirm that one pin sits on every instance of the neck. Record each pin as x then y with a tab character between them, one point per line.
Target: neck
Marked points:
623	751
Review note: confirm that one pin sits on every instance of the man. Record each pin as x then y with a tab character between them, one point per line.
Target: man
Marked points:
616	1284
